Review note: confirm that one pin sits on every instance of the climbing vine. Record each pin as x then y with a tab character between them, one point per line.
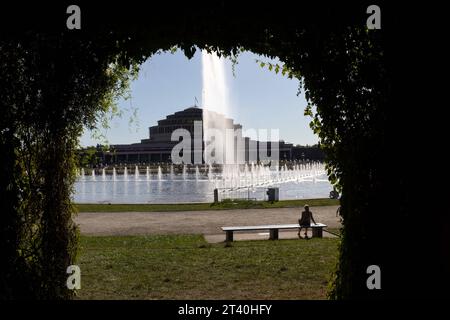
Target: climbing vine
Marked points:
55	83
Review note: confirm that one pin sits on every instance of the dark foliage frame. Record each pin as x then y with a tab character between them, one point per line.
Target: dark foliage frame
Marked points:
54	81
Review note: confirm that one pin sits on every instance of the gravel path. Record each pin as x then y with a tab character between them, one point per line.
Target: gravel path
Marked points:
193	222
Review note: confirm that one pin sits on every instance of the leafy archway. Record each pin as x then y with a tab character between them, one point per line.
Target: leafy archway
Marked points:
55	81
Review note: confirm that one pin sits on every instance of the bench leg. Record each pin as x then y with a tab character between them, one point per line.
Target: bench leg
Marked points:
273	234
317	232
229	236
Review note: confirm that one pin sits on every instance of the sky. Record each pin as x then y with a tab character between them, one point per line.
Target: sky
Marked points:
259	98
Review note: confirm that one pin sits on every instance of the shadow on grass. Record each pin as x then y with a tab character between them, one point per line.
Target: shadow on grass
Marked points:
187	267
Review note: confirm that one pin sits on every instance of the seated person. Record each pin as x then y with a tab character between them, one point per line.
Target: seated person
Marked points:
305	221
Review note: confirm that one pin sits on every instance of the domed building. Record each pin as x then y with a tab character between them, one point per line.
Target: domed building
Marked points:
158	146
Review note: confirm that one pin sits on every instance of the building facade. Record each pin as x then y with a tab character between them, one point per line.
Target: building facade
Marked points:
158	146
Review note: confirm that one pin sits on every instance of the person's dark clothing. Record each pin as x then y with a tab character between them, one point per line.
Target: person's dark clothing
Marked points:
305	220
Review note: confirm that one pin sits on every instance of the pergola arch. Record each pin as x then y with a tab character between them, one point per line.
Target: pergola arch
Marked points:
59	81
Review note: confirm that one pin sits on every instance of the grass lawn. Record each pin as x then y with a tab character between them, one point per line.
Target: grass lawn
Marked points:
223	205
187	267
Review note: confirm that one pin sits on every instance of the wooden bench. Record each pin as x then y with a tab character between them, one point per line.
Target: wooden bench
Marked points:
273	230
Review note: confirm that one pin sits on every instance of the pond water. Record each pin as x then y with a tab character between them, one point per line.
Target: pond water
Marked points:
189	188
